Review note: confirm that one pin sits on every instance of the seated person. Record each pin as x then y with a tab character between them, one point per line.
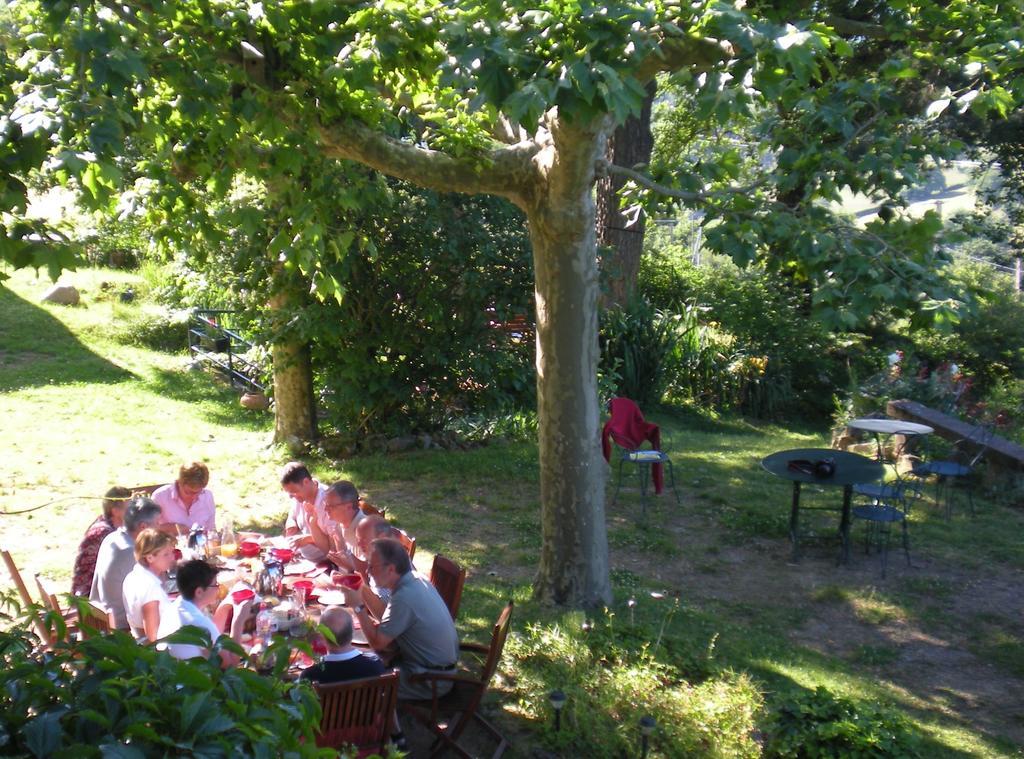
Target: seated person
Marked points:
197	583
115	502
342	505
415	619
371	527
186	501
307	511
342	661
145	600
116	557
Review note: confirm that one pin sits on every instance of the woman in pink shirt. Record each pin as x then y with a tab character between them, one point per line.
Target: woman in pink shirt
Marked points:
186	501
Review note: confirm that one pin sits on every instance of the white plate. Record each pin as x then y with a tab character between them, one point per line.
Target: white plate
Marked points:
299	567
331	598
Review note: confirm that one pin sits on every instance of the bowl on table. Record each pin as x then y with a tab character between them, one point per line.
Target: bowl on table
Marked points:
352	581
284	555
249	548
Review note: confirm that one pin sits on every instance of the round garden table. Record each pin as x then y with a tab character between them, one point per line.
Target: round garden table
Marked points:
850	469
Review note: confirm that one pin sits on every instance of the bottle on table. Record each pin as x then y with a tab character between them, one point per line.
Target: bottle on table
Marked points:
264	625
228	541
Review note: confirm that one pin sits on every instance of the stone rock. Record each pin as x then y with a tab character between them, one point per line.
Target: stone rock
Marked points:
425	441
65	295
399	444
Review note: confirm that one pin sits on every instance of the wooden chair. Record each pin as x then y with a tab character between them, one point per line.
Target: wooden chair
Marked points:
459	707
97	619
146	490
368	508
48	592
23	593
358	712
449	578
408	542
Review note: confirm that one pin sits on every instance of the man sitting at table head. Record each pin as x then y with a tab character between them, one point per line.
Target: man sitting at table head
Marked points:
342	505
116	557
342	662
415	619
308	512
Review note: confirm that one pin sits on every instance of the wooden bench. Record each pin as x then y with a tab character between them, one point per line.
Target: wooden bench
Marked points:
1003	456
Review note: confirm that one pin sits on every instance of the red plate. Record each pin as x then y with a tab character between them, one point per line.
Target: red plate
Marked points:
243	595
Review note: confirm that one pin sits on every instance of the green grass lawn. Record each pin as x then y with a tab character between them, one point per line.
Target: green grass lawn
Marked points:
711	627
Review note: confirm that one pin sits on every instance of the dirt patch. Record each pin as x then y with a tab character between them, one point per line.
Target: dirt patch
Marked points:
916	630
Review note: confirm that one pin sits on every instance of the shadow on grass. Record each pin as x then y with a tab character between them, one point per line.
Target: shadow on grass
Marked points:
201	388
37	349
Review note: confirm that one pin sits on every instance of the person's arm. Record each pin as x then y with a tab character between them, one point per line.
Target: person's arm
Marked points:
370	626
371	629
374	603
151	620
320	538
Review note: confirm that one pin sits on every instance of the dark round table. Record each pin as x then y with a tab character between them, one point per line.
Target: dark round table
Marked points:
850	469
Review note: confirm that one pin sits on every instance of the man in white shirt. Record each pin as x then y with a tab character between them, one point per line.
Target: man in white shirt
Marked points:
308	513
342	504
116	557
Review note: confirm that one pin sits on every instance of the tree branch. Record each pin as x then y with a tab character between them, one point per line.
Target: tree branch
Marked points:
507	171
605	168
676	53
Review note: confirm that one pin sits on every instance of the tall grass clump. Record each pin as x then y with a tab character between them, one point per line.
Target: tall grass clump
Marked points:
610	686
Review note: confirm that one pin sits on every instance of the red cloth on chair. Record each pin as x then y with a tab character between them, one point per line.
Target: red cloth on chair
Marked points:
629	430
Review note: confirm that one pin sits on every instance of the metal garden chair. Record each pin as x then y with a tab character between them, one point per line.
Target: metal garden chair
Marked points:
890	503
959	468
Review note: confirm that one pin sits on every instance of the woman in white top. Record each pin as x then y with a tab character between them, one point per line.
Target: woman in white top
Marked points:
145	599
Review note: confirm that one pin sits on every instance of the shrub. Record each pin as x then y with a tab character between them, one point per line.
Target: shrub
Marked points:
821	724
108	696
637	342
156	328
766	355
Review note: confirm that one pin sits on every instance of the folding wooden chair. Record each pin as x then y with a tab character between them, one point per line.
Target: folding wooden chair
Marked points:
368	508
48	592
358	712
146	490
449	578
459	707
26	599
95	619
408	542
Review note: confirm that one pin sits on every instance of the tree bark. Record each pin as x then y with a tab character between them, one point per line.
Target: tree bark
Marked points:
630	144
294	403
574	555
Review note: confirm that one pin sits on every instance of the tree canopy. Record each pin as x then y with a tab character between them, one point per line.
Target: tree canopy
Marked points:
512	99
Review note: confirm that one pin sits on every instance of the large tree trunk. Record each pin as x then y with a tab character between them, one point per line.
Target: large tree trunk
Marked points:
294	404
630	144
574	555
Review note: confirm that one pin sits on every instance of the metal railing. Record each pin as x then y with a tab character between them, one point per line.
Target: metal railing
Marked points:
210	341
